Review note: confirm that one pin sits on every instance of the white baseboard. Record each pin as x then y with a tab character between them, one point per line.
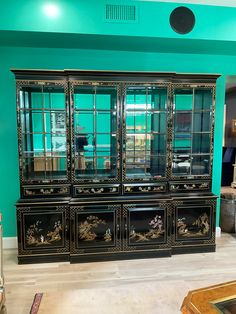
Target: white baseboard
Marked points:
218	232
9	243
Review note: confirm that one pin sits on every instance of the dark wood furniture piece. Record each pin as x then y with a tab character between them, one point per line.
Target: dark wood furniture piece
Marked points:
215	299
114	165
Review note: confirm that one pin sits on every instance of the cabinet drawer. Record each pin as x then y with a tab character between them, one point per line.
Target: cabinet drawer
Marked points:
138	188
45	190
98	189
188	186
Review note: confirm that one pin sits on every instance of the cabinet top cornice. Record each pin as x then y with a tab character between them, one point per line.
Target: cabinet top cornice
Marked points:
80	74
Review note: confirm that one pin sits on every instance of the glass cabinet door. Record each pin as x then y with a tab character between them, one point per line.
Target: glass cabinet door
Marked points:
145	138
42	118
192	132
95	147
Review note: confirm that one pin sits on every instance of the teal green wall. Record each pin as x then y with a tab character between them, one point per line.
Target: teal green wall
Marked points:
93	59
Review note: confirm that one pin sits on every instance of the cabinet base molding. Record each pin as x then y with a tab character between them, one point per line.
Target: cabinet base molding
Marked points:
118	256
194	249
43	259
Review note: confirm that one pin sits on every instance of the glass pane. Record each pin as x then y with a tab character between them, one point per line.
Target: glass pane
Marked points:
136	99
56	122
201	143
201	165
138	122
40	168
25	121
83	98
38	142
183	122
158	144
159	122
158	166
182	144
54	97
36	98
103	142
58	144
203	99
37	122
24	99
146	98
83	143
106	98
183	99
103	122
181	164
202	121
84	122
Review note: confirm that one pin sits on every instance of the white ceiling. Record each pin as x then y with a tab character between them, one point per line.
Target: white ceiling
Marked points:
225	3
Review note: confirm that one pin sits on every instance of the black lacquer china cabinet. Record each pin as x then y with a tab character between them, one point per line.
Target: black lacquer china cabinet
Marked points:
114	165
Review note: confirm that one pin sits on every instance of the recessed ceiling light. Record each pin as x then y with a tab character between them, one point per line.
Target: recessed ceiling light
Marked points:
51	10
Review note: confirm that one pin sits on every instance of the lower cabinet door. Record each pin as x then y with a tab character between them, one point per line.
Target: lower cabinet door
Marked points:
194	223
42	230
95	229
146	226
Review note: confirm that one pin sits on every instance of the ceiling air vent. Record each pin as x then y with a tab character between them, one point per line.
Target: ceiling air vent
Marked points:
120	13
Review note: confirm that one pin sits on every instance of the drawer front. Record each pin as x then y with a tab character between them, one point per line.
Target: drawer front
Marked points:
189	186
144	188
103	189
45	190
43	230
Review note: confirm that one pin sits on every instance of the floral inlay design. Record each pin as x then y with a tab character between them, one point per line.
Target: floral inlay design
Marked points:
155	231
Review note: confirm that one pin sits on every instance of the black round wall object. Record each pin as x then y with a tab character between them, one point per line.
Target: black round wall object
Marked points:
182	20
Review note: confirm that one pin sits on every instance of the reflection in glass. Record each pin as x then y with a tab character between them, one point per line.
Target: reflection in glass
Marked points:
203	99
95	127
202	121
43	124
146	124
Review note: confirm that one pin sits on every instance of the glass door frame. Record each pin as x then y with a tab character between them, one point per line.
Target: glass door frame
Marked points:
39	83
92	83
166	85
206	86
